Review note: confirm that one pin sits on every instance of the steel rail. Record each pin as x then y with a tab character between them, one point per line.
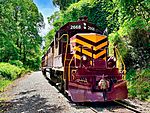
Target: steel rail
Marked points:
94	110
127	106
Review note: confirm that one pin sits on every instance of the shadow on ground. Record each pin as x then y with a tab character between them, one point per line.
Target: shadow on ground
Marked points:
98	106
33	104
26	92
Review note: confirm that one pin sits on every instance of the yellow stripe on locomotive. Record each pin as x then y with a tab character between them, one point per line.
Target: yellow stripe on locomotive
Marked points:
87	41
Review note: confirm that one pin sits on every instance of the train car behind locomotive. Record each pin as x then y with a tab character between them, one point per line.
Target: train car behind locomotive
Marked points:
78	62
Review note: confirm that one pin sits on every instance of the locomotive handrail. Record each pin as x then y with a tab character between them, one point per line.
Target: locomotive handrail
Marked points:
69	67
118	54
70	63
65	51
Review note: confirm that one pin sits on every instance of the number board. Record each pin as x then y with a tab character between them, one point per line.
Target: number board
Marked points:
91	28
75	26
85	26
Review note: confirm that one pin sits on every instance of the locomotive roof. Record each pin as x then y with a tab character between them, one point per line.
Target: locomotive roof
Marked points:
80	25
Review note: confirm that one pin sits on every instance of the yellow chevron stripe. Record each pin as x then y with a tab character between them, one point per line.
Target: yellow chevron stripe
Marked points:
104	58
77	56
92	37
89	53
100	54
85	44
83	51
101	45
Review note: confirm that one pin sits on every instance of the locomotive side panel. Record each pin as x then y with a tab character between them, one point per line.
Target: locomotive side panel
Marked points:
58	61
50	58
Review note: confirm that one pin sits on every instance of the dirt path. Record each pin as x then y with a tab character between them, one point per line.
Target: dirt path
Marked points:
33	94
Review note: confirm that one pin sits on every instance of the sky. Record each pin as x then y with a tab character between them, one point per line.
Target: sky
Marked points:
47	8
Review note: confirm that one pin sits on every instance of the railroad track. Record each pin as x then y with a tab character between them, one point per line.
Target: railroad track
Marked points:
129	106
121	103
124	104
94	110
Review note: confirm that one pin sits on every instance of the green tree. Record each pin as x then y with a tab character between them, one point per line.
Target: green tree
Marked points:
19	23
63	4
133	30
95	10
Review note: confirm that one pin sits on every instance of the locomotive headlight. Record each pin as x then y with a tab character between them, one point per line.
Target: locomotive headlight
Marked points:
84	57
114	59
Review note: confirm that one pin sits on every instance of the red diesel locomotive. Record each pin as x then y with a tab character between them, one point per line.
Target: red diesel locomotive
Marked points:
79	65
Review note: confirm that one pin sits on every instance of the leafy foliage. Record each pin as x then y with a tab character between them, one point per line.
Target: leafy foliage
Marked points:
138	88
95	11
134	42
16	63
19	23
9	71
56	20
133	8
4	83
63	4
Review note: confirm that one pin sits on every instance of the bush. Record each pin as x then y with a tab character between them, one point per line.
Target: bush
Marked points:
139	83
131	75
143	86
4	83
132	91
9	71
33	63
16	63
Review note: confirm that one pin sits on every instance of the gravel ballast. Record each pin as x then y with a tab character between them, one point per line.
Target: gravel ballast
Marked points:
33	93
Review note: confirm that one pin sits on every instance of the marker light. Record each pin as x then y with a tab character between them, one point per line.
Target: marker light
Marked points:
84	57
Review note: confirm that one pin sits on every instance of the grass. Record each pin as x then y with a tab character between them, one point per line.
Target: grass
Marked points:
9	72
4	83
